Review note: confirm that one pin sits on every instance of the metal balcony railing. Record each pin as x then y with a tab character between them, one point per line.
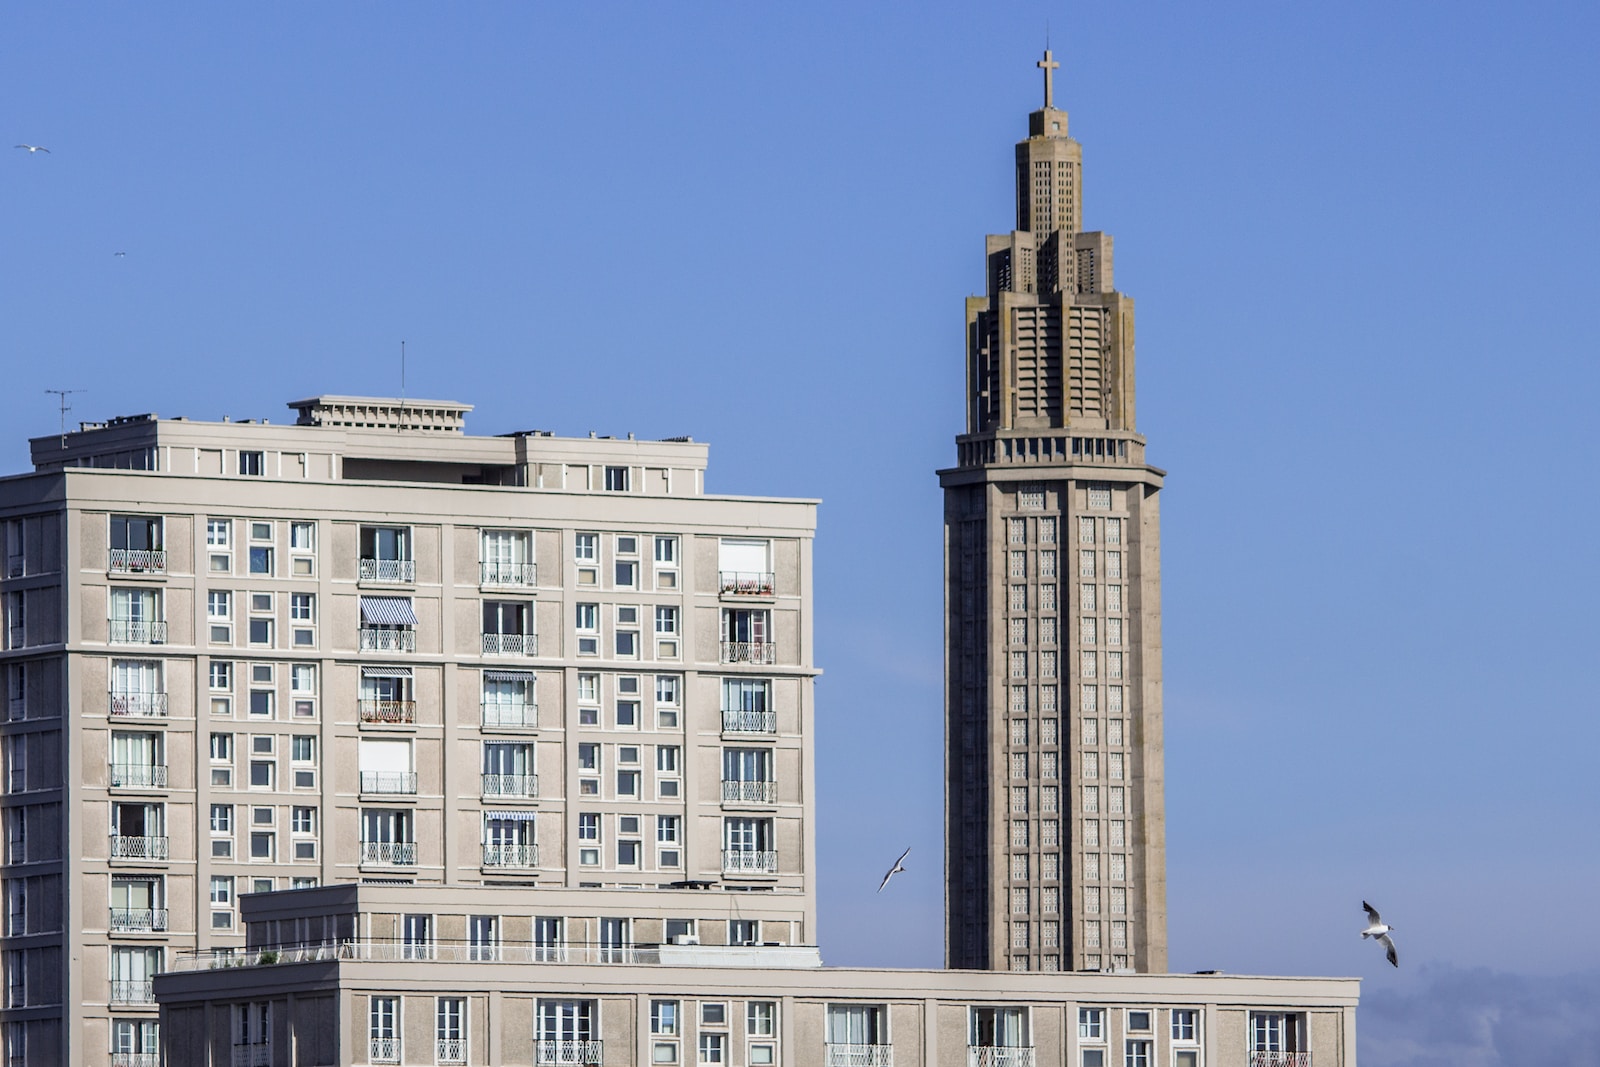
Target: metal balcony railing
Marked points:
138	561
138	776
258	1054
388	781
739	861
138	848
507	574
449	1050
383	1050
510	785
136	1059
515	715
132	991
581	1053
511	855
388	570
374	639
1280	1059
744	583
749	722
749	652
749	792
139	705
139	920
139	631
510	644
396	853
852	1055
390	711
999	1056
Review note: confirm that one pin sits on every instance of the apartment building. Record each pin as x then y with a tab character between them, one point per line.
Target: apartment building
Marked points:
1055	827
368	975
366	647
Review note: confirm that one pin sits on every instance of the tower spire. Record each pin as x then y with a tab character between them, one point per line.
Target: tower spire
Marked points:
1049	66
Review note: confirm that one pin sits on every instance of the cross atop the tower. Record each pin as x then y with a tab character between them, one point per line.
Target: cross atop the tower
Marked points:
1049	67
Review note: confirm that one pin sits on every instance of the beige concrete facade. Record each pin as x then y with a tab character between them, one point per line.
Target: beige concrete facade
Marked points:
369	647
351	988
1055	838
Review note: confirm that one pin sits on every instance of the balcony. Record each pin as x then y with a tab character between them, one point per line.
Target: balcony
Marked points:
138	776
393	712
749	652
744	583
138	561
749	722
749	792
133	991
740	861
1280	1059
522	856
138	920
389	853
136	1059
257	1055
510	785
391	782
138	848
507	574
510	716
842	1055
388	570
1000	1056
374	639
582	1053
138	631
139	706
383	1049
449	1050
510	644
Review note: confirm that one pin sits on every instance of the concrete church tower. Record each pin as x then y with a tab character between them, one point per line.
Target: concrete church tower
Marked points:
1055	834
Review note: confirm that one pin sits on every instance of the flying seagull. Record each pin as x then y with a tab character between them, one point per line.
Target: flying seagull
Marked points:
35	148
119	253
1377	928
899	866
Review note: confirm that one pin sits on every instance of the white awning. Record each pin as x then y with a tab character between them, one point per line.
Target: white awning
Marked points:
388	610
511	816
385	672
508	676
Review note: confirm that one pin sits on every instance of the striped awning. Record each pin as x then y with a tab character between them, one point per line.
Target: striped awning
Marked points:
385	672
388	610
508	676
511	816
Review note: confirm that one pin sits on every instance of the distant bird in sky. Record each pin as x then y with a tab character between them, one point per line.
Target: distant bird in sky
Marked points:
1377	928
899	866
119	253
35	148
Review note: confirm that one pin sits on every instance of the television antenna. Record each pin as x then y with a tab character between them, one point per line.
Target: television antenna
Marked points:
61	395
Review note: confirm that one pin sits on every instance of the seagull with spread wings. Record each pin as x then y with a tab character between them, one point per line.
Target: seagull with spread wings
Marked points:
899	867
1377	928
32	148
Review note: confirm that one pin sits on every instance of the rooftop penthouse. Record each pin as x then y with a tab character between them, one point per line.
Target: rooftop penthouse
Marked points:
378	439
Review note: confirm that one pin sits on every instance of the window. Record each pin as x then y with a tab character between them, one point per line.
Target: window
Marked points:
588	626
219	540
617	479
666	621
450	1030
261	632
561	1021
998	1028
746	636
252	464
303	820
669	836
261	559
713	1048
383	1030
746	932
666	552
1277	1032
262	846
262	773
303	536
1137	1053
1139	1021
664	1018
589	838
1185	1024
858	1024
386	554
483	937
586	548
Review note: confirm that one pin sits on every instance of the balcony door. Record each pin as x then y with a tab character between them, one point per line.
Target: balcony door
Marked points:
135	677
857	1024
1000	1027
566	1020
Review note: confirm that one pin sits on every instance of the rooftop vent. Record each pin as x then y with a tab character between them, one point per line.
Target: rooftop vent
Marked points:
382	413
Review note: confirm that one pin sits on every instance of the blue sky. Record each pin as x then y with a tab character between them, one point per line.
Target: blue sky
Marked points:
1361	238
